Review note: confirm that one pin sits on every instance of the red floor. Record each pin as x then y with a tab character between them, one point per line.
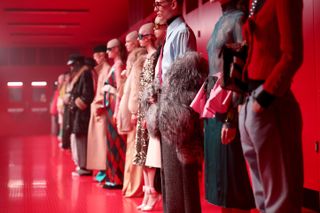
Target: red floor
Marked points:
35	176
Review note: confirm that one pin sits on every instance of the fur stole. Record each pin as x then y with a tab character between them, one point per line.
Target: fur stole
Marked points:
133	103
179	125
151	109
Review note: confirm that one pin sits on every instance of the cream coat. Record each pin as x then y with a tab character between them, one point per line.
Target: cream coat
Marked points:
96	153
129	101
133	178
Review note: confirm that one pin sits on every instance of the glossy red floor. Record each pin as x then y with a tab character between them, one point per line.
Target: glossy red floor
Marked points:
35	177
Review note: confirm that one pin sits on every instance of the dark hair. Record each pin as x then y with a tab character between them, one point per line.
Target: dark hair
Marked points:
90	62
243	5
100	48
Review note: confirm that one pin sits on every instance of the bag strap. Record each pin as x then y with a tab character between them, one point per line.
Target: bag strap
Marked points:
109	76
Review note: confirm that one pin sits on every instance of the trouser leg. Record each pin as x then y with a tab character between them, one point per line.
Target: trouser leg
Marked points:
81	146
172	181
73	145
251	157
275	136
181	189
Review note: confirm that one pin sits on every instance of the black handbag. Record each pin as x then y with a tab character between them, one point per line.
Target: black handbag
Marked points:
234	60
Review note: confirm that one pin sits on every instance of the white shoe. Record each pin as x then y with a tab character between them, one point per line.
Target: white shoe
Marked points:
75	174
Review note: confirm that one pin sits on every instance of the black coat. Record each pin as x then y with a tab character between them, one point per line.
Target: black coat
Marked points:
83	89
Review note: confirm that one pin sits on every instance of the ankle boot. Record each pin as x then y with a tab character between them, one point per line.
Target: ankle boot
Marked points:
145	197
154	199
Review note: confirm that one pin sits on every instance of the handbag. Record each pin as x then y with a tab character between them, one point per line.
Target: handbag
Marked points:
199	101
234	60
208	103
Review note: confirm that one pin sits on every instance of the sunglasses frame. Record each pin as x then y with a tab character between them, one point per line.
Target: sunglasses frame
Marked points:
110	48
141	36
160	3
159	26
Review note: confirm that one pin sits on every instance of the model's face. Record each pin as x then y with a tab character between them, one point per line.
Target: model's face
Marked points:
160	30
163	8
67	77
144	37
99	57
112	52
71	67
130	45
60	79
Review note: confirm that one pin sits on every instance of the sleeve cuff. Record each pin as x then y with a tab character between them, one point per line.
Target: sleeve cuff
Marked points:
264	98
80	103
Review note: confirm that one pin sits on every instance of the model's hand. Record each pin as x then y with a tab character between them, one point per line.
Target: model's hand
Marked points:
80	104
114	118
144	124
227	134
100	110
256	107
134	119
66	99
110	89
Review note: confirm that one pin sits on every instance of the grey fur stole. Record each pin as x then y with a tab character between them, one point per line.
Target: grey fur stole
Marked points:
179	125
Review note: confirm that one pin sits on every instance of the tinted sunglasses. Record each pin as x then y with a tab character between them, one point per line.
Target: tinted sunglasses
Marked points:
110	48
141	36
158	4
158	26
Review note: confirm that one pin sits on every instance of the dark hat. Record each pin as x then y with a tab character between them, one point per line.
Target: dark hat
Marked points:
73	58
90	62
100	48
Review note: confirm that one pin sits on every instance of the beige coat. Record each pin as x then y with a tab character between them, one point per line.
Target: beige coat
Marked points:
133	178
96	152
129	101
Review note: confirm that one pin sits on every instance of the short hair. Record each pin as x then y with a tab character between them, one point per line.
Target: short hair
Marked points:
100	48
243	6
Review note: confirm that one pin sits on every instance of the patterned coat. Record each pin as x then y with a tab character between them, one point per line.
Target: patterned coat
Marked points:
142	138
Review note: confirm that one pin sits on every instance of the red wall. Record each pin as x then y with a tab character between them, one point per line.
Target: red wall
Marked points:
306	87
26	122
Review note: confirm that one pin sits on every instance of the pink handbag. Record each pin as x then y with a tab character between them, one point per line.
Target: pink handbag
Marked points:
200	100
218	101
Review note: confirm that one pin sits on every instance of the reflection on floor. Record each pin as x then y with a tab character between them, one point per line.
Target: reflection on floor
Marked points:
35	176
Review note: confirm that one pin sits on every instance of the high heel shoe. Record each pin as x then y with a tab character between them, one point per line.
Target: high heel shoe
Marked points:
154	199
145	189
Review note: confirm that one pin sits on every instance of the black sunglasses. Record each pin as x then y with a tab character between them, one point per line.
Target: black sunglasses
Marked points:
141	36
110	48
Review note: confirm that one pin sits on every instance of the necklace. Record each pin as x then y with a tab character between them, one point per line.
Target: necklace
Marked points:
252	9
255	6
